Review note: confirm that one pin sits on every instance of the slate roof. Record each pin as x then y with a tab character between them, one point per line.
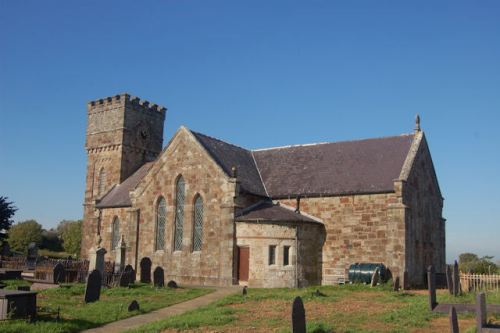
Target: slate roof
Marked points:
118	196
336	168
267	211
350	167
227	156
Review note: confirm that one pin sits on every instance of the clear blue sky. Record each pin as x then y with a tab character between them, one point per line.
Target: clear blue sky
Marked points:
257	74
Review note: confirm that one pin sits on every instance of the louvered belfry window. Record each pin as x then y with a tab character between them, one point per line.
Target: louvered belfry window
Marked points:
179	214
115	233
198	223
161	218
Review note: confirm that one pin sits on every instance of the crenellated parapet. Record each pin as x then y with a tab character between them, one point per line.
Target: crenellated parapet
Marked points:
122	100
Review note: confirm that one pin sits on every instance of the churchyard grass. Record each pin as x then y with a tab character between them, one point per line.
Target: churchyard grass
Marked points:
75	315
348	308
13	284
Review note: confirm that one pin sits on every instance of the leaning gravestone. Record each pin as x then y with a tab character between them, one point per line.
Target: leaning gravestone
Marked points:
133	306
172	284
159	277
145	270
453	320
298	316
93	287
130	270
59	273
449	280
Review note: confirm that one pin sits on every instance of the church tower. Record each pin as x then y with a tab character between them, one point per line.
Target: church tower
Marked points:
123	133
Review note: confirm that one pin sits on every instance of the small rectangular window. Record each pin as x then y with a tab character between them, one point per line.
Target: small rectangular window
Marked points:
272	254
286	255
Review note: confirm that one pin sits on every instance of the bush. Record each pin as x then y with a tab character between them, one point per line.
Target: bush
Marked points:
23	233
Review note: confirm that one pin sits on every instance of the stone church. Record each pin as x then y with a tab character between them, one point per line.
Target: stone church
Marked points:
213	213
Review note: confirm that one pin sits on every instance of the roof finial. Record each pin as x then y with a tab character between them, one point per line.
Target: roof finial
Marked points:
417	123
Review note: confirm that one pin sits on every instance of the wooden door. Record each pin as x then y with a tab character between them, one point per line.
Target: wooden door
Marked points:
243	263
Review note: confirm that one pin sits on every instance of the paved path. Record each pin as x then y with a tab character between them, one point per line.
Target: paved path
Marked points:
176	309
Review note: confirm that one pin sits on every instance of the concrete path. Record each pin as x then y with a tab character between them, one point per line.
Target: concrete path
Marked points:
176	309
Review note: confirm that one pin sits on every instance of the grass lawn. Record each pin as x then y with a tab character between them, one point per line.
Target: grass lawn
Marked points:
77	316
349	308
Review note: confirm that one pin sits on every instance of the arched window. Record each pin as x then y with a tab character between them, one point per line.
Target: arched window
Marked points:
161	218
101	182
198	223
115	233
179	213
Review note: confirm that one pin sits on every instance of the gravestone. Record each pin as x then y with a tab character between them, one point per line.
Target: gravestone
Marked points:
145	270
130	270
298	316
431	285
375	277
120	253
456	280
93	286
133	306
480	312
172	284
32	255
96	259
158	277
59	273
395	286
449	280
453	320
124	279
244	292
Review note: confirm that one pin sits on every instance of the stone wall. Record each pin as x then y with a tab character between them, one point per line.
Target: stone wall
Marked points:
425	226
359	228
213	265
304	266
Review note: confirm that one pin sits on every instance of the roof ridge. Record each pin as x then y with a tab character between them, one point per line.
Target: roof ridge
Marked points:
217	139
332	142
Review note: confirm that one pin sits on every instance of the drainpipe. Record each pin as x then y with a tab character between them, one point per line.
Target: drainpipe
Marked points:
296	256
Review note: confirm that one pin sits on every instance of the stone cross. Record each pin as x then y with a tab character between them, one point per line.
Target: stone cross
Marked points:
449	279
120	256
431	284
375	277
298	316
158	277
145	270
453	320
59	273
93	286
456	280
480	312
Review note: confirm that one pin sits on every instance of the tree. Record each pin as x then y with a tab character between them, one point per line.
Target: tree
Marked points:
71	235
51	240
7	210
470	262
23	233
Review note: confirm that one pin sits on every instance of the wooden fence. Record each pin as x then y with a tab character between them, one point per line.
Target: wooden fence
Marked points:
474	282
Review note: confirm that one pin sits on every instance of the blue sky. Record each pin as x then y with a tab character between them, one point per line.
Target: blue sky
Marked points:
257	74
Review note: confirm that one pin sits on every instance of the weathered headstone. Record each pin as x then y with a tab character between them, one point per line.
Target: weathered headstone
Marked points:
172	284
456	280
120	253
124	279
158	277
93	286
298	316
59	273
449	279
395	285
375	277
96	258
133	306
453	320
480	312
130	270
32	255
431	285
145	270
244	291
